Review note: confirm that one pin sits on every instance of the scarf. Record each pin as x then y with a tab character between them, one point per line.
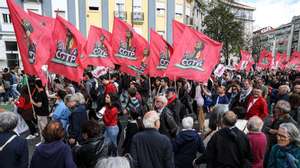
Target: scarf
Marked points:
244	94
171	99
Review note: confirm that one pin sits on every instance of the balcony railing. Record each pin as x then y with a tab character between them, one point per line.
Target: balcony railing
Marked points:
137	17
121	14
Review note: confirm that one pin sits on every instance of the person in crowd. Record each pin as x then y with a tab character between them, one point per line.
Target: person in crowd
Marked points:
257	105
263	87
149	148
164	85
134	110
110	118
61	112
241	103
93	147
295	106
200	102
229	147
25	110
232	94
109	87
282	94
168	124
175	106
156	87
257	140
76	104
13	148
286	153
41	106
114	162
221	97
187	144
296	88
53	152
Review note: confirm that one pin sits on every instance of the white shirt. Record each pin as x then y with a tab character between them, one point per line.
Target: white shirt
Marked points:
251	104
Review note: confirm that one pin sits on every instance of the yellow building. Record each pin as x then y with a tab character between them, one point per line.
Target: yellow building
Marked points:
141	14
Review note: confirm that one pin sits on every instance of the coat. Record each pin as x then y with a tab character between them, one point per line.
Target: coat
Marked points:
284	157
178	110
168	125
15	154
258	143
150	149
55	154
77	118
185	147
259	108
229	147
91	151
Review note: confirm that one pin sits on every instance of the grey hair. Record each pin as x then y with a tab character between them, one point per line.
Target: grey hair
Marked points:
285	106
255	124
80	98
8	121
187	123
293	132
150	118
113	162
68	97
219	110
163	99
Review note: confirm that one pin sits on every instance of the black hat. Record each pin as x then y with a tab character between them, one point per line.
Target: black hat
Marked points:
171	89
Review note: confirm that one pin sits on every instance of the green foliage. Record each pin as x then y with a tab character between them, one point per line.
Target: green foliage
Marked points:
221	25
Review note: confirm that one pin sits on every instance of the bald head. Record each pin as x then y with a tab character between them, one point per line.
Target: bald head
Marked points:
229	119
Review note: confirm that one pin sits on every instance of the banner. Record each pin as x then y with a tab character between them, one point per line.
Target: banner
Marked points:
130	50
45	21
33	41
246	56
99	71
66	51
265	60
294	63
98	48
195	57
160	55
178	29
219	71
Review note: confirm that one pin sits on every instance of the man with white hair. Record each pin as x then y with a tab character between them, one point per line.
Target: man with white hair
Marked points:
168	125
149	148
186	145
13	148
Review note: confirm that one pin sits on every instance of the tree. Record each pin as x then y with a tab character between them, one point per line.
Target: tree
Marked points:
221	25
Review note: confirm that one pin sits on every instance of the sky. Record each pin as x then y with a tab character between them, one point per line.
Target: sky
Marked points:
273	12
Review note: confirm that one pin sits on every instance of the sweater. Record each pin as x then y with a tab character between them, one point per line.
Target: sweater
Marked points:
258	144
110	117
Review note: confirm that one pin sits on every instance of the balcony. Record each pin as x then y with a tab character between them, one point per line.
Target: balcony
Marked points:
6	27
121	14
137	17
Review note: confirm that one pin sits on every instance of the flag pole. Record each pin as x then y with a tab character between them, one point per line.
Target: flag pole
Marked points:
175	85
30	96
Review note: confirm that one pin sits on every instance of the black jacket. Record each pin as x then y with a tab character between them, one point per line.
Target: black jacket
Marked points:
168	125
178	110
77	118
15	154
150	149
185	147
228	148
91	151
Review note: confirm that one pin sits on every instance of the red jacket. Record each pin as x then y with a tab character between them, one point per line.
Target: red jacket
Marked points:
259	108
110	88
110	117
258	143
21	103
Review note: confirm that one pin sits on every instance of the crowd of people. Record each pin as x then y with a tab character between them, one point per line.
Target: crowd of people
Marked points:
118	121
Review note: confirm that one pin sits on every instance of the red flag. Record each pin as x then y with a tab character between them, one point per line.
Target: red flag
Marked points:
32	41
246	56
265	59
178	29
44	21
130	49
159	58
98	48
294	62
195	57
67	51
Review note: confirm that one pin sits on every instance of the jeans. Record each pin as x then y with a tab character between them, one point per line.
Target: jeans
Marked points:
111	134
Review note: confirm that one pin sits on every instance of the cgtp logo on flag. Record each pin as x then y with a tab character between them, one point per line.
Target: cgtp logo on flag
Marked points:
100	50
193	60
126	50
66	53
31	45
141	69
164	59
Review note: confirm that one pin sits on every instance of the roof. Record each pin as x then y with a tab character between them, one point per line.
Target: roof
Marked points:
238	4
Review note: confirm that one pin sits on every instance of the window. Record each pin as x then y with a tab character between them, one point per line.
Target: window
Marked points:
137	5
6	18
94	5
11	46
120	5
160	9
178	9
